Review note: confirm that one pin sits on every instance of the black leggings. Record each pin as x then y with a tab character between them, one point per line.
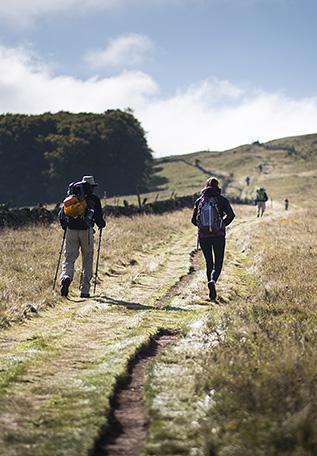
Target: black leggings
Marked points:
213	247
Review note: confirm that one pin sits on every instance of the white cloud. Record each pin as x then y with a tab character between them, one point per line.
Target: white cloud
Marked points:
125	51
24	12
211	114
192	121
28	86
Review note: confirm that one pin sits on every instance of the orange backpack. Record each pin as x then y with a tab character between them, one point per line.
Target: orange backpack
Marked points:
75	203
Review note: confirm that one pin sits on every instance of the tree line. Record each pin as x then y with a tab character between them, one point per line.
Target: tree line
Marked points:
41	154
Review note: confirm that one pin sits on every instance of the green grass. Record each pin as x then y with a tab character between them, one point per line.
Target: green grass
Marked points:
59	369
250	389
284	176
241	379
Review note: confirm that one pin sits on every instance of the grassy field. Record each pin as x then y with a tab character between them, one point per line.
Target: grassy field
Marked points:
240	378
28	260
283	175
246	383
263	374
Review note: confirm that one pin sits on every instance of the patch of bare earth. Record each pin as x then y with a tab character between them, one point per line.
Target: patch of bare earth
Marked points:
129	420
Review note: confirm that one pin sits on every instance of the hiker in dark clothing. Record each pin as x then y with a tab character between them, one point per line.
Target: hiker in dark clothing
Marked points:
212	213
80	236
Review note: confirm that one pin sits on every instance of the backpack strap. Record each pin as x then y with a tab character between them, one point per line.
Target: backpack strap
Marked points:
200	205
216	203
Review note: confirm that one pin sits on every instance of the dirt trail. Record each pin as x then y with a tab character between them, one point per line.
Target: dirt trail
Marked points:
129	419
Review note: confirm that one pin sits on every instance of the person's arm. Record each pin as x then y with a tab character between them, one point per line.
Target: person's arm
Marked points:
227	209
99	219
194	216
62	218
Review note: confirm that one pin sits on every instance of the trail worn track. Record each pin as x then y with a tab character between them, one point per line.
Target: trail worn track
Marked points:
59	370
128	419
62	371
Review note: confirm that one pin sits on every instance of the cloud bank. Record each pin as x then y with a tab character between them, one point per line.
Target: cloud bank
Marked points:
24	12
211	114
125	51
29	86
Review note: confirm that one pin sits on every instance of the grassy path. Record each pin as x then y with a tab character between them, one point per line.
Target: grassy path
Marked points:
58	370
242	381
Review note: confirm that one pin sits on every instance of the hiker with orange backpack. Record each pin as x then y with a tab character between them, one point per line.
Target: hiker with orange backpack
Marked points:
81	210
212	213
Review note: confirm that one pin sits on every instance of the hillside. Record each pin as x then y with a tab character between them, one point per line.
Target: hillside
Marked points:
289	170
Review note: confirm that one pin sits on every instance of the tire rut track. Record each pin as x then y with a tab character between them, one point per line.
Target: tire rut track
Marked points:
128	418
58	329
183	280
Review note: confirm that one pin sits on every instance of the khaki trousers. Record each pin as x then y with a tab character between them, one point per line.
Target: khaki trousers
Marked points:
79	240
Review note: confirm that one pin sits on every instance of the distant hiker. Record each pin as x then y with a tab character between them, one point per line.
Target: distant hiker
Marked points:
212	213
260	166
286	204
247	180
260	200
80	211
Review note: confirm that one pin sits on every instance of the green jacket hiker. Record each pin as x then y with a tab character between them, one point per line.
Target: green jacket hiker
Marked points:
260	200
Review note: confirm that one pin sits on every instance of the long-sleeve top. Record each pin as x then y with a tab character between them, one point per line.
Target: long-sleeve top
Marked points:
79	223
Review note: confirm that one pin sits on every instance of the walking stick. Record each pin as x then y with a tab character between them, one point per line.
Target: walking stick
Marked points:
59	259
97	262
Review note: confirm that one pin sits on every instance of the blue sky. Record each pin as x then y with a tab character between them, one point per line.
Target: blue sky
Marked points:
199	74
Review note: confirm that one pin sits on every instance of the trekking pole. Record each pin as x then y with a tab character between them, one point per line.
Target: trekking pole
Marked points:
97	262
59	259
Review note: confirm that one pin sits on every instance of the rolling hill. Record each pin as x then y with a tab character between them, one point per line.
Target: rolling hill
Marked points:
286	167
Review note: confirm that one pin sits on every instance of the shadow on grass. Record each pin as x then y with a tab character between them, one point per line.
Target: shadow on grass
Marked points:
156	181
136	305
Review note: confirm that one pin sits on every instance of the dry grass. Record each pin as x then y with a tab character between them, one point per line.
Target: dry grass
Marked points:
263	374
59	371
28	258
284	176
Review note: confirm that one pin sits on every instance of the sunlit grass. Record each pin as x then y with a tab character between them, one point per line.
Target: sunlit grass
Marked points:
264	373
28	258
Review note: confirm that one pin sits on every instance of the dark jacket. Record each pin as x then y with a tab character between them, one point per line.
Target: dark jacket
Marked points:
224	207
78	223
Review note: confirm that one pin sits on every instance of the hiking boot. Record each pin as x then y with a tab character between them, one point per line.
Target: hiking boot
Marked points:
65	286
84	295
212	290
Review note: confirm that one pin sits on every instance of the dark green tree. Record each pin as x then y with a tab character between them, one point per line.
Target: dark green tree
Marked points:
40	155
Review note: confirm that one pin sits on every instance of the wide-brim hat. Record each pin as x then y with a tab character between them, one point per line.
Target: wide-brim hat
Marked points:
89	180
